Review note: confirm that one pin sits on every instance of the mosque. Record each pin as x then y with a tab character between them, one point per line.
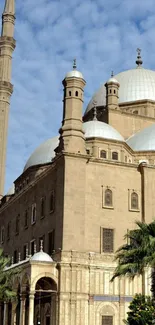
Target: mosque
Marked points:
78	195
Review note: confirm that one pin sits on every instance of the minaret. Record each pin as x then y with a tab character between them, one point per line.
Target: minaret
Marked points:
112	92
71	133
7	46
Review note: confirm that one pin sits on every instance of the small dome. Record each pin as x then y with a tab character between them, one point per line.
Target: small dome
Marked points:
74	73
135	84
41	257
101	130
112	80
143	140
11	190
43	154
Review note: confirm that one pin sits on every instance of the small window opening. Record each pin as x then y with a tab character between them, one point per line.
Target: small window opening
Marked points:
108	198
70	93
134	201
115	155
103	154
114	91
76	94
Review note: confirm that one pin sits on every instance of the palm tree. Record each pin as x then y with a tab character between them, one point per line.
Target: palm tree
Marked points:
6	276
137	254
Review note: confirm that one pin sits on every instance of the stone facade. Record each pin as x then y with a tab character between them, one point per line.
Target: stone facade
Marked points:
77	208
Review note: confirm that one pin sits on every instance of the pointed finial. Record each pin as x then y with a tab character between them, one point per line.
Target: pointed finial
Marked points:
27	253
41	245
139	61
94	111
74	64
112	73
19	257
35	248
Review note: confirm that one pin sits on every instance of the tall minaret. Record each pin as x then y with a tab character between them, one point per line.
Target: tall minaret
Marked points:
72	137
7	46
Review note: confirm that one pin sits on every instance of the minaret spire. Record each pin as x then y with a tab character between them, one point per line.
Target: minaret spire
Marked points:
7	46
9	7
8	18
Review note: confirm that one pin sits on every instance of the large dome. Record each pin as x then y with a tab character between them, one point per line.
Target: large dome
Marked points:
45	152
143	140
135	84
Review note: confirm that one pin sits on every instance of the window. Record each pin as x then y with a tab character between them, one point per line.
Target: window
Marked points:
52	201
26	219
88	151
76	93
33	247
107	320
25	251
114	91
126	159
2	235
70	93
17	224
15	257
33	214
134	201
108	198
103	154
108	240
51	241
42	207
135	112
115	155
8	230
110	91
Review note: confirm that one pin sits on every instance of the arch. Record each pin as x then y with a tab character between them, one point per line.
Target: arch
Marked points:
16	283
76	93
46	283
108	197
134	201
103	154
107	309
115	155
43	275
25	280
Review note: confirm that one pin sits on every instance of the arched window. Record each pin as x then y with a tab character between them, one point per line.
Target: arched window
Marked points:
17	225
110	91
108	198
114	91
42	207
33	215
70	93
134	201
26	219
76	94
115	155
52	201
103	154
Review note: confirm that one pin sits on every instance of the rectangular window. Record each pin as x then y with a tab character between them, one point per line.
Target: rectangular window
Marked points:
42	207
52	202
2	235
15	257
108	240
33	247
26	219
25	251
33	214
107	320
8	230
17	224
51	241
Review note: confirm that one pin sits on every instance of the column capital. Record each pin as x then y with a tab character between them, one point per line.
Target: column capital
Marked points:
31	294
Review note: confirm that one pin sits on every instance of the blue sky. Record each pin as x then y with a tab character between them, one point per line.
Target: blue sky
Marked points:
103	36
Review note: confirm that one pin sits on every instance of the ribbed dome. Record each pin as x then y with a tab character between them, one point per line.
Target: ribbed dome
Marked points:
41	257
45	152
143	140
135	84
74	73
101	130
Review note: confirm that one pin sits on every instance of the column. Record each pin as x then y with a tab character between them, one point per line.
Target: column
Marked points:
5	317
31	308
22	309
13	314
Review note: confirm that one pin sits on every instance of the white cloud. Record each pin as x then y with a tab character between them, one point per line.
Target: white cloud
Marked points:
103	36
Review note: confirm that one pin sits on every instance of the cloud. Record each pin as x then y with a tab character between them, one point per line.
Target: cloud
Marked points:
103	36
